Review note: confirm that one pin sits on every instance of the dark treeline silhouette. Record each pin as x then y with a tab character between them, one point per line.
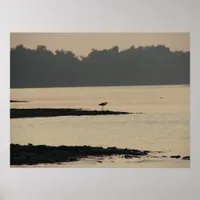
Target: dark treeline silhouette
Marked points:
151	65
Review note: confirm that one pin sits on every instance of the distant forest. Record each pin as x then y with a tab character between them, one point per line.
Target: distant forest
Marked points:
151	65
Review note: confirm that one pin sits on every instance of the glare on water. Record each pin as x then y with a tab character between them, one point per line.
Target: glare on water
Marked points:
162	126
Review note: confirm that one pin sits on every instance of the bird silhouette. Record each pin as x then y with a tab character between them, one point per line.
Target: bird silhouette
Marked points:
103	104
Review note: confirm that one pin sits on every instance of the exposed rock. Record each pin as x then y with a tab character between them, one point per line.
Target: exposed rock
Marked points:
178	156
30	154
53	112
128	156
15	101
186	158
146	151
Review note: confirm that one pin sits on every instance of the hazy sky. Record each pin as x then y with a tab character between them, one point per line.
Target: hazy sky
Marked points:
82	43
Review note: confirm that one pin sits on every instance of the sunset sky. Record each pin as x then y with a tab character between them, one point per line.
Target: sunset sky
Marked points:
82	43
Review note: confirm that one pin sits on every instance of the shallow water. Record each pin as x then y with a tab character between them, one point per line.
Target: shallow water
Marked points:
163	126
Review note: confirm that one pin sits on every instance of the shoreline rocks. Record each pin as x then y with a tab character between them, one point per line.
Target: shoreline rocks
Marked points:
178	156
30	154
183	158
15	101
53	112
186	158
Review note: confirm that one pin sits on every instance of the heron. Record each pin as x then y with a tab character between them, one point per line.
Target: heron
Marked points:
103	104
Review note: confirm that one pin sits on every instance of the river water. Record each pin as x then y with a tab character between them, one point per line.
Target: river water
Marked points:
164	124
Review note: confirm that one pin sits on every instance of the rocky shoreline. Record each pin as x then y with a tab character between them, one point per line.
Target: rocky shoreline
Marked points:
53	112
15	101
43	154
30	154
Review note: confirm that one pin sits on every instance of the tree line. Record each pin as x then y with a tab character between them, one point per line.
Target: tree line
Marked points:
149	65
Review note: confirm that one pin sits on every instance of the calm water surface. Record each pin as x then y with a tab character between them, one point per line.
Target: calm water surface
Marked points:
163	126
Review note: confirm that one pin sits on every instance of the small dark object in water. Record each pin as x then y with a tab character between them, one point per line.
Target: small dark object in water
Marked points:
161	97
128	156
164	156
99	161
146	152
178	156
186	158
